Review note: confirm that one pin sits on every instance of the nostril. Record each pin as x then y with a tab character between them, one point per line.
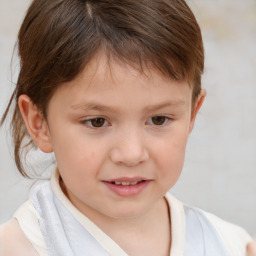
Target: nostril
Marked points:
131	156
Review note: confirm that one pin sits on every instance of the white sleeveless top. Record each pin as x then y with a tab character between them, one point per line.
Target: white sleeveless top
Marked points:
56	228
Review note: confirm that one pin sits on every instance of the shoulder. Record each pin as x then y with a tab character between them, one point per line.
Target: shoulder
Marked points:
24	232
234	237
10	235
28	220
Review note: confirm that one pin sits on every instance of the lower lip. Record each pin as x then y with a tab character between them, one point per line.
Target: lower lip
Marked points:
130	190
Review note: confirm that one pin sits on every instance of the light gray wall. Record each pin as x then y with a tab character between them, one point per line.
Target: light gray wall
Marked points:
13	189
220	168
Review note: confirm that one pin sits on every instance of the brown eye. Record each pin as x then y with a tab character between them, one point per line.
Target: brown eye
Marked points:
97	122
159	120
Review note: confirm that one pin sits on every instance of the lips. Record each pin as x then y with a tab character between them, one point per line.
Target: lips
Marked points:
127	186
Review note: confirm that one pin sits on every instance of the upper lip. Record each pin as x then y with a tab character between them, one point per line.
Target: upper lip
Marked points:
127	179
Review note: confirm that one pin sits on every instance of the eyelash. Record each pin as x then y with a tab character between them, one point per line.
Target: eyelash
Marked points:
88	122
165	121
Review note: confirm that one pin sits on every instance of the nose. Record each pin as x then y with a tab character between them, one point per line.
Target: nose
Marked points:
129	149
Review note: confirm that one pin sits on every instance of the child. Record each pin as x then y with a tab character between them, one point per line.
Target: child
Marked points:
113	89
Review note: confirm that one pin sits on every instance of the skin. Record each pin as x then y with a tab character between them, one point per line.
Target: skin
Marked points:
113	122
10	235
127	145
251	249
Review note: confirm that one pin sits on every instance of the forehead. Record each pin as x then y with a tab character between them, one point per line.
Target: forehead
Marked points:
105	79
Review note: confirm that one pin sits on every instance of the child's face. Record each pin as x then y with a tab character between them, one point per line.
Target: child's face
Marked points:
112	125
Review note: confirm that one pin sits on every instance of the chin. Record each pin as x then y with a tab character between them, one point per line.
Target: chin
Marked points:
126	213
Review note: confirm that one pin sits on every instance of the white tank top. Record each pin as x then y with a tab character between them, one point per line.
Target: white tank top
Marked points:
56	228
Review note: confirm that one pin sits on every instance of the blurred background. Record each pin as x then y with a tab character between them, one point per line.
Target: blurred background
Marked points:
220	168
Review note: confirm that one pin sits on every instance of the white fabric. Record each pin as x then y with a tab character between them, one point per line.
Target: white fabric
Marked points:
106	242
230	239
201	236
234	237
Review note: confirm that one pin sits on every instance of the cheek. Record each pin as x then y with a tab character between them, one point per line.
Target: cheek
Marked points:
78	162
80	169
74	147
169	156
79	159
171	160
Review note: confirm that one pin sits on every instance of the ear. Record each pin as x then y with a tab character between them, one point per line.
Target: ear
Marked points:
197	106
35	123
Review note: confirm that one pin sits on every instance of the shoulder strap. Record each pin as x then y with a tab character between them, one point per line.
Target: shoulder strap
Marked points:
63	234
202	239
234	237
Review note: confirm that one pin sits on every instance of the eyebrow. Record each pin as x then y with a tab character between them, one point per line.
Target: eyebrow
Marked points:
94	106
100	107
164	105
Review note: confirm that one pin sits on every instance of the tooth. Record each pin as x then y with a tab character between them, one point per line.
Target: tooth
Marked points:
125	183
117	183
134	183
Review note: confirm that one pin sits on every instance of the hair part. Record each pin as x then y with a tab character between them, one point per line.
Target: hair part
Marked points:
58	38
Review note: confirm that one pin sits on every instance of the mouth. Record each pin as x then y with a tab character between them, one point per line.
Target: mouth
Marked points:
127	186
126	183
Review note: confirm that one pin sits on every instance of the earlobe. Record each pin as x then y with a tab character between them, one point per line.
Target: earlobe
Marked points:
197	107
35	123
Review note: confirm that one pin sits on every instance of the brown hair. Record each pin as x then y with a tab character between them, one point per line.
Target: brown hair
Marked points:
59	37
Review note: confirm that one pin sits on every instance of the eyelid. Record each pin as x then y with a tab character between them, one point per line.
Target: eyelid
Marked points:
87	120
168	119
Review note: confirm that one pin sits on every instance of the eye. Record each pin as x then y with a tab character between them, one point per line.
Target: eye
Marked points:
159	120
97	122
